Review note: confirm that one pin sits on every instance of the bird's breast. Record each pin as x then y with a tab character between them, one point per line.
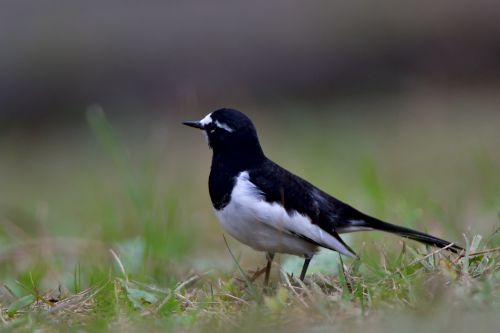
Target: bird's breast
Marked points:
259	224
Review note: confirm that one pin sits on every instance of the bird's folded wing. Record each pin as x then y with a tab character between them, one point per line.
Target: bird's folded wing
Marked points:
286	203
275	216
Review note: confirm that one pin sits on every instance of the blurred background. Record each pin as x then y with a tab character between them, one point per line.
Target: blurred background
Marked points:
175	56
392	106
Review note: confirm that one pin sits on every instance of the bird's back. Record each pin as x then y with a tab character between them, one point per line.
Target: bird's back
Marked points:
296	194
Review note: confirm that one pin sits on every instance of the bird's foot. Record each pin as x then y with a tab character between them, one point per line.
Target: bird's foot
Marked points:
253	275
256	274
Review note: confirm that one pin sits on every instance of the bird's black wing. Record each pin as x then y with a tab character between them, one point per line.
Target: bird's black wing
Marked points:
297	195
325	211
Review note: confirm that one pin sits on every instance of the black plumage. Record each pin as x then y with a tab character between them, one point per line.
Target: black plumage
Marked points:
236	149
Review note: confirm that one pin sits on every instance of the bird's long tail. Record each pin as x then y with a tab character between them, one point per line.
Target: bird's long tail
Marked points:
375	224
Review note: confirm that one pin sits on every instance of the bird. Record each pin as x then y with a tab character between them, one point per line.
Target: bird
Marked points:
272	210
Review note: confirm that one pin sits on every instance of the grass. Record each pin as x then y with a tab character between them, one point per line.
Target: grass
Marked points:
413	283
105	227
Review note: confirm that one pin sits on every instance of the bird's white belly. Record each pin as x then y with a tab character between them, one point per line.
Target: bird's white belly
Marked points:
265	226
241	223
261	225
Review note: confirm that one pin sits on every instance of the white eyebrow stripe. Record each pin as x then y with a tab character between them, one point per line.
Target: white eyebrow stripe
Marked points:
207	120
223	126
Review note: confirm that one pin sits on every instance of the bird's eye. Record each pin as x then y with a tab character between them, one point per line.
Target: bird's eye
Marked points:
211	128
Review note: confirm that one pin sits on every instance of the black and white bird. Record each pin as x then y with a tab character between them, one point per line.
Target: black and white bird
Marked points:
269	208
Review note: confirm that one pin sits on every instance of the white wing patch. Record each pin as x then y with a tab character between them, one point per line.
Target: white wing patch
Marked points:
248	204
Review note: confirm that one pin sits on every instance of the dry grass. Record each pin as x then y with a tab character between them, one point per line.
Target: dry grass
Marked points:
65	204
410	280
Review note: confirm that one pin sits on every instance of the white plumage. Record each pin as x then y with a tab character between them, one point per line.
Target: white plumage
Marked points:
268	226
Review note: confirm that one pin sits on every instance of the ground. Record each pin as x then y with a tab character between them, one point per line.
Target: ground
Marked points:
108	226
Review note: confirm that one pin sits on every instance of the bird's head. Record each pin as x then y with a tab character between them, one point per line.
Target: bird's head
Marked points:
229	131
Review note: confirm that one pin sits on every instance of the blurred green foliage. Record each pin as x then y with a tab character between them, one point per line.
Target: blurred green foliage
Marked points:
139	188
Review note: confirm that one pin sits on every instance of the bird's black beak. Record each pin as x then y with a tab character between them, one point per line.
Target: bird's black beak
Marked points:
195	124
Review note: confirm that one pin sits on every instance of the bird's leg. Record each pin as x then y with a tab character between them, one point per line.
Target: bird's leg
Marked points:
257	273
270	257
266	269
304	268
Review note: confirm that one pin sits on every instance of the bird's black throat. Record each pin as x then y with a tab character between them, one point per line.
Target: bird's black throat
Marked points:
242	153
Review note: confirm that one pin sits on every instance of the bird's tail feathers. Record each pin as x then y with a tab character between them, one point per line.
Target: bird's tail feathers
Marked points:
375	224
